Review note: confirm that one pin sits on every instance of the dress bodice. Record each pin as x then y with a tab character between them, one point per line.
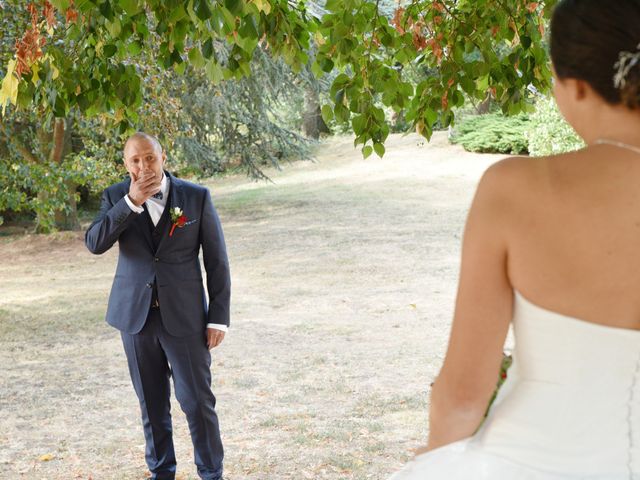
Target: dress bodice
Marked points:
571	401
569	409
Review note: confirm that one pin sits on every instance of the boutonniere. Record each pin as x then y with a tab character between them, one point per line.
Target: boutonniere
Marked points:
178	218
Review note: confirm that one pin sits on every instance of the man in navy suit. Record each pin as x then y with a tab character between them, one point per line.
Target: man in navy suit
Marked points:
158	301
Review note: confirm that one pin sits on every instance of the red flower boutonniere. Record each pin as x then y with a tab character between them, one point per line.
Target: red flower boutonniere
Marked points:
178	218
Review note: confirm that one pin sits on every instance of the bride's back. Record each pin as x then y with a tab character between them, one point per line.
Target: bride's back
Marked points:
574	243
574	233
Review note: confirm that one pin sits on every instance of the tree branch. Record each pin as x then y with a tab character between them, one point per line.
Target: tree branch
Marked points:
17	144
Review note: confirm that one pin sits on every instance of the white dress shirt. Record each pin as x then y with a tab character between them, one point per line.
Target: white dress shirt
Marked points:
155	207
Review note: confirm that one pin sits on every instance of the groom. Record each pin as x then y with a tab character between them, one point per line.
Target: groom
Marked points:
158	301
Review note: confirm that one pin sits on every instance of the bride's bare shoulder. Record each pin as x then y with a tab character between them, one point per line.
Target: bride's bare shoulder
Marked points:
520	175
510	174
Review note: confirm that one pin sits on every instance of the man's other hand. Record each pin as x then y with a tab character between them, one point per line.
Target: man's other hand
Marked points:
214	337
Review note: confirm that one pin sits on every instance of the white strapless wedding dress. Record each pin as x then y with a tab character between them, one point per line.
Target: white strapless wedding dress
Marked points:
569	409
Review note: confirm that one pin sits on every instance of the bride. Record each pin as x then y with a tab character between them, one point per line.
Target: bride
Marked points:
552	246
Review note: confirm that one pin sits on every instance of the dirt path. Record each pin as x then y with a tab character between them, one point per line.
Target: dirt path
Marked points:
344	274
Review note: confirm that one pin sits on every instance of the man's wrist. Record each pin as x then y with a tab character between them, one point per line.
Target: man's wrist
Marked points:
132	205
218	326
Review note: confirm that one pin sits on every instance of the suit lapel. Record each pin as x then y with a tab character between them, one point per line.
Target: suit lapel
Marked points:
176	199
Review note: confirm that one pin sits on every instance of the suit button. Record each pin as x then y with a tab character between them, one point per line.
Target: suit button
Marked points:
156	259
149	285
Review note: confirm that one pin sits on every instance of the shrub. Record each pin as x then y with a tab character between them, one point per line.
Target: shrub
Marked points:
493	133
549	133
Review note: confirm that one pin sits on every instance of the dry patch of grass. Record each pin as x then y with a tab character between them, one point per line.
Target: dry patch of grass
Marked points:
344	273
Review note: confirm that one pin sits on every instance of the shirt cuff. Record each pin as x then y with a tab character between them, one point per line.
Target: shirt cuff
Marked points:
133	207
217	326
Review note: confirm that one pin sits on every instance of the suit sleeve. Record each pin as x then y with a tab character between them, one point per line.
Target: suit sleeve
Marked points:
216	264
112	220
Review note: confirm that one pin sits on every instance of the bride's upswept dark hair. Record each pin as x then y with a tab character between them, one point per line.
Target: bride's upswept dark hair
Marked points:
587	37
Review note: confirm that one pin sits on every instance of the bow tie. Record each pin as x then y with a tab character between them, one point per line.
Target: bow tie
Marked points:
157	195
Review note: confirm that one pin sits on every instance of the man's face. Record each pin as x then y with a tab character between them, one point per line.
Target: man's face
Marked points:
143	156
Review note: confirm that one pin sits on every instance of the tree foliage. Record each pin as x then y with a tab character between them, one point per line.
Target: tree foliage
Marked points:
550	134
239	122
110	66
494	133
206	128
84	53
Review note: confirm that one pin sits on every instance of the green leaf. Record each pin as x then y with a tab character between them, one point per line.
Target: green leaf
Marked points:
228	18
207	48
214	71
134	48
202	10
458	98
327	113
334	5
342	113
359	124
60	107
379	149
132	7
180	32
177	14
248	28
339	82
367	151
109	50
234	6
106	10
316	70
482	83
176	58
327	65
378	114
114	27
61	5
180	68
196	58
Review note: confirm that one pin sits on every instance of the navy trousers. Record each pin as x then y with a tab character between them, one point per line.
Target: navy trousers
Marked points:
154	356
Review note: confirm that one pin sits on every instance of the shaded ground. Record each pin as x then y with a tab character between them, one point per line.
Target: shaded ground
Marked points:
344	274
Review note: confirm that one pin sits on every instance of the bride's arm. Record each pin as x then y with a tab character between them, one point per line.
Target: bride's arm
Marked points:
484	304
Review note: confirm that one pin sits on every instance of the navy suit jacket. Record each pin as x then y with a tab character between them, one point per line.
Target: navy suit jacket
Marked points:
174	266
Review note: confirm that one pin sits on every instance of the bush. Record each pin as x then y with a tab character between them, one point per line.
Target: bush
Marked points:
550	134
493	133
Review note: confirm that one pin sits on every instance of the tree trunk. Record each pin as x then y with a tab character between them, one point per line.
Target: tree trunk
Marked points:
65	220
313	124
485	105
58	144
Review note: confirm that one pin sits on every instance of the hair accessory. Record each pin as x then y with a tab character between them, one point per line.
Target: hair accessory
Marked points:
626	61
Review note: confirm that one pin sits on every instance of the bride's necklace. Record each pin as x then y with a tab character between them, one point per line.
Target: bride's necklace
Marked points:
606	141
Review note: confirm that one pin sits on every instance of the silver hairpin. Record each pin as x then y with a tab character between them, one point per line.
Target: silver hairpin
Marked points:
626	61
